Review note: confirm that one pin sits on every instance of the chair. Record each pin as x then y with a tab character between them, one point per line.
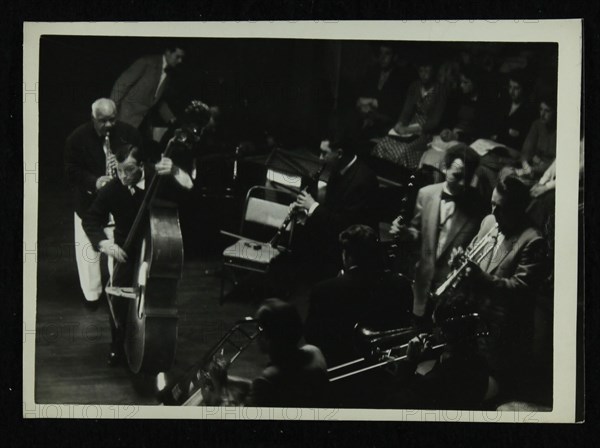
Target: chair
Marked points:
265	209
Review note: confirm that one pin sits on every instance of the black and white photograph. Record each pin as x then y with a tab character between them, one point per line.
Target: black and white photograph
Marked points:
319	221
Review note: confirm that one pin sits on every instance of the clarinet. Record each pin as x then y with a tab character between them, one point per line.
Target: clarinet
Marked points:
292	213
394	246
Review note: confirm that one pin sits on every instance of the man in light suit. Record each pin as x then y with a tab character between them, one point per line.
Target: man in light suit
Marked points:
505	282
447	216
139	91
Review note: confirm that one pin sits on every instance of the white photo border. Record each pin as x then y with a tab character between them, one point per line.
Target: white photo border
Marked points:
568	34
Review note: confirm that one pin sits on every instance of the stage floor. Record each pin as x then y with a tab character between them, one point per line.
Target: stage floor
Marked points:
72	342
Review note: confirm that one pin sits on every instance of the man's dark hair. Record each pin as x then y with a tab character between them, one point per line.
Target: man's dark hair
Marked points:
122	152
173	46
513	190
549	99
281	322
474	74
425	58
385	43
465	153
520	77
362	244
342	133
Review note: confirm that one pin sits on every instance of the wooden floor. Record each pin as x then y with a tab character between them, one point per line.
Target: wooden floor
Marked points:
72	342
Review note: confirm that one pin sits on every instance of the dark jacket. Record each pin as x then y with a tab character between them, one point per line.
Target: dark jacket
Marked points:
391	96
85	161
299	380
348	200
519	122
379	301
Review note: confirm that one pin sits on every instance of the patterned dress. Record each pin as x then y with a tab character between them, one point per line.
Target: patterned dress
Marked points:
423	106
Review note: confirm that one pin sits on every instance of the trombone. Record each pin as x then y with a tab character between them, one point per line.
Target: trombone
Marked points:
185	392
390	346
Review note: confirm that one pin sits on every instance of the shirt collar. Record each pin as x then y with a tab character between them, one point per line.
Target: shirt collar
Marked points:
164	62
446	190
141	183
347	167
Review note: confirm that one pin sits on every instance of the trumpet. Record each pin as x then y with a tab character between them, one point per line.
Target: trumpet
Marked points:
473	255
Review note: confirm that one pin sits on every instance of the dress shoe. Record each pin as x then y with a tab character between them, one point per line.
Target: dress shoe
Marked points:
114	357
92	305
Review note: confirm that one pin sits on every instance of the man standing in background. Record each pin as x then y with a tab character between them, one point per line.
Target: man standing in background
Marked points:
139	92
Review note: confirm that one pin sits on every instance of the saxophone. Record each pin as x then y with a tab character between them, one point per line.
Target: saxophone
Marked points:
111	168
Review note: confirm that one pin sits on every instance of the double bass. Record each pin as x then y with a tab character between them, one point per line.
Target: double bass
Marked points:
152	316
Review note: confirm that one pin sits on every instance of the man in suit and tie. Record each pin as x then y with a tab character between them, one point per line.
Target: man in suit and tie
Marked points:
505	282
122	198
447	216
139	91
348	197
87	152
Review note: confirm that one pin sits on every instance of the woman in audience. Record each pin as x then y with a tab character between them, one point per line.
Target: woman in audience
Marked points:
472	119
539	148
420	119
516	114
475	113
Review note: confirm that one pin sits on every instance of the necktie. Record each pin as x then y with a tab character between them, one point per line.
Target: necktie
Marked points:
134	190
447	197
161	83
495	242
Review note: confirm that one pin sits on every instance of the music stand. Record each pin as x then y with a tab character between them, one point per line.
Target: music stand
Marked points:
292	171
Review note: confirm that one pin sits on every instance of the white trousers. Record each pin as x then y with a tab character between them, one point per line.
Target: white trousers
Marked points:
88	263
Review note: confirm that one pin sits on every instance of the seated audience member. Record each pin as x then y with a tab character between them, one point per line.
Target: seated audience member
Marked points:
504	284
447	216
474	115
296	375
539	148
542	209
382	92
473	119
516	113
420	119
459	378
513	125
363	294
348	200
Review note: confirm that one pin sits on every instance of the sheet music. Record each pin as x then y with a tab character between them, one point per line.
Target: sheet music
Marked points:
393	133
483	146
